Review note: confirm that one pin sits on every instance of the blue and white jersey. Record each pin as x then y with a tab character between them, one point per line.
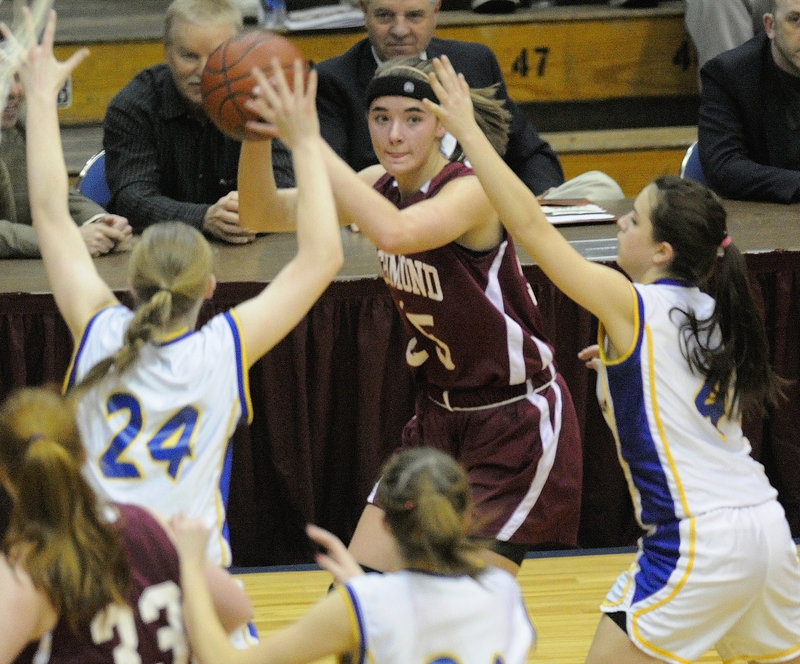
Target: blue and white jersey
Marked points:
681	455
159	435
422	618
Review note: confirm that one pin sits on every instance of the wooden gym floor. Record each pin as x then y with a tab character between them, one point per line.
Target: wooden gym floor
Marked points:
562	595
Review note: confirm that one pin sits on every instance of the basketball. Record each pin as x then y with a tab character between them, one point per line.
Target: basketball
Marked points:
227	82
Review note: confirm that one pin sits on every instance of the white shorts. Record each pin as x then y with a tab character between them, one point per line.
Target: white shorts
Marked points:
729	580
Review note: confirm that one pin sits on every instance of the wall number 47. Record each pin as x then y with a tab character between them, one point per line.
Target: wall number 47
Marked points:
522	66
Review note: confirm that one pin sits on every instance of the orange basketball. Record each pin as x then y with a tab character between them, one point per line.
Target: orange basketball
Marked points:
227	81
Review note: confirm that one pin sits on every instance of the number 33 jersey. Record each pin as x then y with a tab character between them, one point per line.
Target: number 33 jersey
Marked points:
159	434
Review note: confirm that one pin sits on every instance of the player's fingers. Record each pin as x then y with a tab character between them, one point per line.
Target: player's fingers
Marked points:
265	129
298	85
75	59
311	85
322	537
264	90
27	27
260	106
48	35
279	78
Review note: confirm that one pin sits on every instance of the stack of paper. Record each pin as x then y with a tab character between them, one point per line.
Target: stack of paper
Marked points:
574	211
325	17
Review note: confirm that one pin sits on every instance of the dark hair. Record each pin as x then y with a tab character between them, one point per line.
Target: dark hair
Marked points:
57	531
490	113
425	495
730	347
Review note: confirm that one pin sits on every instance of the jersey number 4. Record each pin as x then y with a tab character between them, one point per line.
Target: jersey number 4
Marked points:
169	445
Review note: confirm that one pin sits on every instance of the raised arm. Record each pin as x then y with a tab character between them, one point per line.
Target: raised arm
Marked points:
268	317
262	206
598	288
77	287
459	212
324	630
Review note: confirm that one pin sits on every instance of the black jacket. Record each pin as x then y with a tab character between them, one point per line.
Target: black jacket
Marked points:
342	111
749	126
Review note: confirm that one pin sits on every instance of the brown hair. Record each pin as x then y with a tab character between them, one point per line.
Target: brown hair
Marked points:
57	532
425	495
492	116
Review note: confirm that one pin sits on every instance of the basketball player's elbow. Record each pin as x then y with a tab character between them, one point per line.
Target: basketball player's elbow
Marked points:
389	239
332	258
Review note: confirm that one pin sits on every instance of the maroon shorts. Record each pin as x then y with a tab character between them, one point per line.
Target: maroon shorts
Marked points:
523	459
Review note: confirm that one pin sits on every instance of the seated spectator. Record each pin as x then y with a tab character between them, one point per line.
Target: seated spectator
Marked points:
717	26
100	230
401	28
165	159
750	113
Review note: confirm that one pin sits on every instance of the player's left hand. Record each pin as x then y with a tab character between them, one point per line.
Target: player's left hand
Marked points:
334	555
591	356
288	112
454	109
190	537
39	70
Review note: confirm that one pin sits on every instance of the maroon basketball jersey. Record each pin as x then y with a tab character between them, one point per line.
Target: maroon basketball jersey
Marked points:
472	316
149	629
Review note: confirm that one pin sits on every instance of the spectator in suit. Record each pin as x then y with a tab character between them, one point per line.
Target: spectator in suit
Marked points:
101	231
401	28
165	159
749	126
716	27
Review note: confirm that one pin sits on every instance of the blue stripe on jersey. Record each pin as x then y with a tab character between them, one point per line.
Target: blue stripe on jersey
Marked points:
224	487
362	634
637	446
241	370
70	378
660	554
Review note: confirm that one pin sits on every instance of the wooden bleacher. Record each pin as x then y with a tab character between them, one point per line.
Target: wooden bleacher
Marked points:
555	60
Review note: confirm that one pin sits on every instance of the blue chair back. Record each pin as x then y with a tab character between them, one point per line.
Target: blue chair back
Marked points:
91	181
690	166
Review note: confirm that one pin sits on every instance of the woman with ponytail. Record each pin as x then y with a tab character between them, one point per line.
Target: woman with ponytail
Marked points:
488	391
681	353
442	604
84	582
158	399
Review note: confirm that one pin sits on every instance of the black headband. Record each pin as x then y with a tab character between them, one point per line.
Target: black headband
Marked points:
397	85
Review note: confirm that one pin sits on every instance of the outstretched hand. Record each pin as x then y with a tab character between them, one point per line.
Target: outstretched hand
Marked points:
288	113
40	72
190	537
334	556
454	109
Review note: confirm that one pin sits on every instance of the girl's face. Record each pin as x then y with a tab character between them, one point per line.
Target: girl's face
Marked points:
404	135
637	248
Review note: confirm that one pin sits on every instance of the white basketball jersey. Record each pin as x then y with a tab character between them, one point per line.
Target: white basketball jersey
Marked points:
159	434
681	455
413	617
